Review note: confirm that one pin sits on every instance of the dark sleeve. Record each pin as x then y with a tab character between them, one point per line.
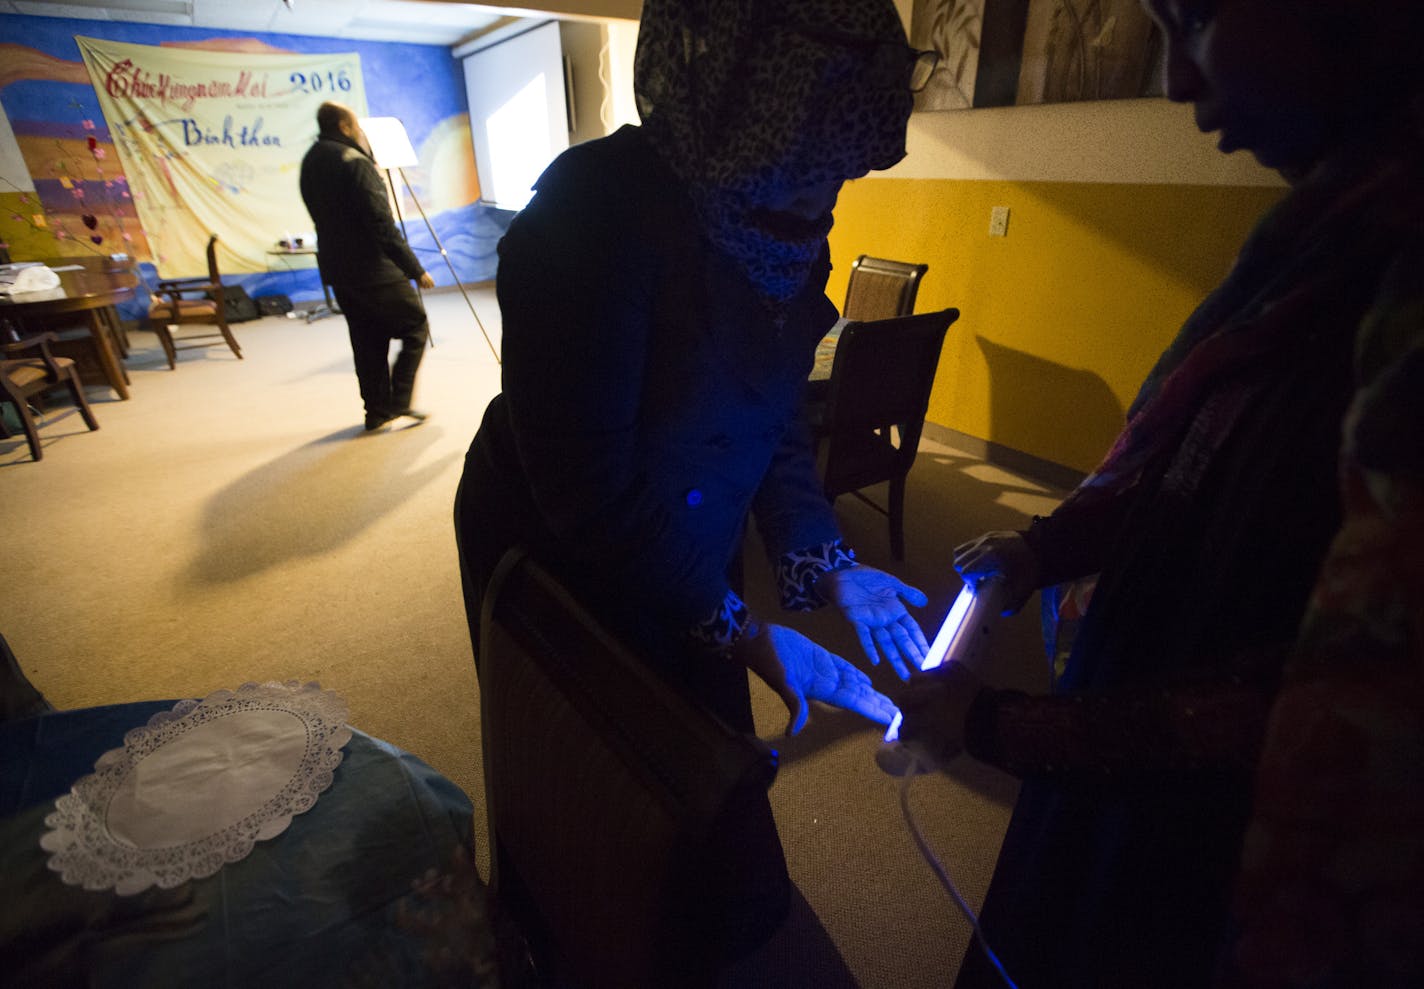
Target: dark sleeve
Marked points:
1151	731
790	506
1335	827
376	217
1075	540
576	344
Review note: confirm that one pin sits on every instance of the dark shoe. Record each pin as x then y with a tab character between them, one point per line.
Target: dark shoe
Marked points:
376	421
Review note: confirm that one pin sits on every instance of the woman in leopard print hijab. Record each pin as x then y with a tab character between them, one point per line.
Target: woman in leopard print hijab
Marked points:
764	109
661	298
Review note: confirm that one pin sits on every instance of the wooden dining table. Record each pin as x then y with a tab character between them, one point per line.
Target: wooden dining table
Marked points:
80	311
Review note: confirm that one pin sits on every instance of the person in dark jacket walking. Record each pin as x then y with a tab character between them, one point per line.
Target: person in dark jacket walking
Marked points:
367	263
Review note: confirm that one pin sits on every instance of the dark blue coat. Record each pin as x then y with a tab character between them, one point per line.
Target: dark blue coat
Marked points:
650	401
358	242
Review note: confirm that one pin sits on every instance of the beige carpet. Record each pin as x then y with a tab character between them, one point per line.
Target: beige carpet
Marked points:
231	523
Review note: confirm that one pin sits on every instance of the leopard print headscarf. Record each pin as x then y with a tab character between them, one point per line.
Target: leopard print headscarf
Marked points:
746	98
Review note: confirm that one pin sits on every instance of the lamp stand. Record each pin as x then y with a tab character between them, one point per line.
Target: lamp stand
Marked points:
395	198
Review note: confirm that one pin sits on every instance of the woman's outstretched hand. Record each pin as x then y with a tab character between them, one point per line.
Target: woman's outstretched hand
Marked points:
874	602
800	671
1004	555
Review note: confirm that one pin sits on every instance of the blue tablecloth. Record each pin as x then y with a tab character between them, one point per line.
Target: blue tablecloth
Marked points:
374	886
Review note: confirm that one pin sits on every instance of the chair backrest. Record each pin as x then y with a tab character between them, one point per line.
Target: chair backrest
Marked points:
213	275
609	793
884	369
880	289
881	377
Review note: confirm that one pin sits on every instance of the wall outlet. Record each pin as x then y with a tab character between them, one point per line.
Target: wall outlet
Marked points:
999	221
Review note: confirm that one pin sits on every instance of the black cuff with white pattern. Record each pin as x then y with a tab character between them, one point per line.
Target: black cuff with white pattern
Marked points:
725	625
798	571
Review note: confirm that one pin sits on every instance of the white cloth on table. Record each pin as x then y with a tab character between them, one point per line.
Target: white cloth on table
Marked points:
197	786
23	277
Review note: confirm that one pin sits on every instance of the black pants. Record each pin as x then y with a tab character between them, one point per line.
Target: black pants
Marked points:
376	315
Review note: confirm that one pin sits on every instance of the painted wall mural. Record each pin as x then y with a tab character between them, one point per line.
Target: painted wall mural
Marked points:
80	195
1007	52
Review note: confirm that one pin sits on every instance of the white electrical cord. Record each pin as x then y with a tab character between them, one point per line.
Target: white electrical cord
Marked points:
943	874
959	638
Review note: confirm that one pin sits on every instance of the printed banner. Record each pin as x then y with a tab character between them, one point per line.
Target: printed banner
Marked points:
212	143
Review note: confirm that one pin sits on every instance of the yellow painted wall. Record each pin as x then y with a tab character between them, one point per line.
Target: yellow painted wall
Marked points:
1061	319
1123	217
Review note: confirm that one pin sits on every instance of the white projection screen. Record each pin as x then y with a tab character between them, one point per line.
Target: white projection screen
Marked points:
518	112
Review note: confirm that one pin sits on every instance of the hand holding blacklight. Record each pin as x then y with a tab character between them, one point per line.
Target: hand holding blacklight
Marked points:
1005	555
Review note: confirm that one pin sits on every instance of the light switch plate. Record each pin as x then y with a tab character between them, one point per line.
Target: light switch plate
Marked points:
999	221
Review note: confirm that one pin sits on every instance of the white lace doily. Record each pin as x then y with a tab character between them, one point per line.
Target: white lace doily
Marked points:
194	788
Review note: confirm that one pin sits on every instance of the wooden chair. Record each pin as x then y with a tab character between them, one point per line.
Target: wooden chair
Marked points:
613	800
880	289
868	426
22	378
170	308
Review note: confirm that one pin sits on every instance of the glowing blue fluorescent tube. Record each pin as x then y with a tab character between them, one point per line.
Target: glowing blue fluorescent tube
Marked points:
961	636
949	629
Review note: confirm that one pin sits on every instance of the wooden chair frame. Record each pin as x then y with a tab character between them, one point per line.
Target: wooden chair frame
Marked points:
21	378
869	424
169	311
607	790
880	288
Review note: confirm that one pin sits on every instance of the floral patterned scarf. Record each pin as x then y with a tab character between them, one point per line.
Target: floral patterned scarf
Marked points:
746	98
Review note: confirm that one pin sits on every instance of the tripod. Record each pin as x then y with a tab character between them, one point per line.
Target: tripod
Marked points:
395	198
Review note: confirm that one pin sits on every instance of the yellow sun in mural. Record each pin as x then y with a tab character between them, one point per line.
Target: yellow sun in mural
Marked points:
447	156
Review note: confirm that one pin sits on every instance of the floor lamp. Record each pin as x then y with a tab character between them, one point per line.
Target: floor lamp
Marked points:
391	147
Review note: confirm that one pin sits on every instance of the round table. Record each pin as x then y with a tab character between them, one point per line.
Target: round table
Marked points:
89	288
374	885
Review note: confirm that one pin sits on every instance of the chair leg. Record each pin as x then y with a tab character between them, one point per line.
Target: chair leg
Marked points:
897	518
76	389
32	433
165	340
231	340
